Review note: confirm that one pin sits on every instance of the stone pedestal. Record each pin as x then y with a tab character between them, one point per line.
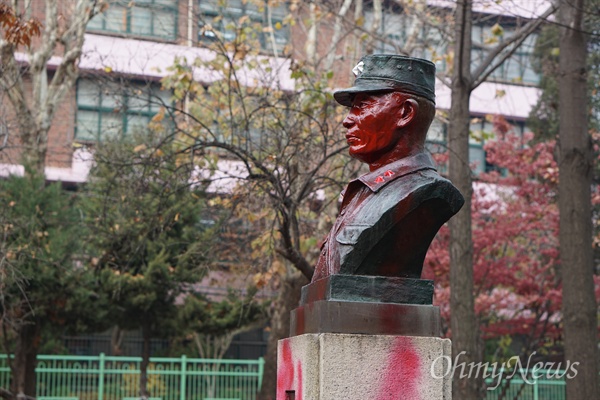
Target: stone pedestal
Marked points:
330	366
365	338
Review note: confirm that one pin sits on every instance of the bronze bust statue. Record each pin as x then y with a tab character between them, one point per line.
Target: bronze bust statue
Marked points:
389	216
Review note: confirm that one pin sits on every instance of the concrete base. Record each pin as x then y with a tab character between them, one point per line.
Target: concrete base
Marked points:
329	366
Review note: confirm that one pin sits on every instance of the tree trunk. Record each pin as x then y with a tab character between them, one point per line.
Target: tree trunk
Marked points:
64	26
25	361
575	179
33	140
311	37
35	147
145	361
335	37
116	341
465	330
287	299
370	47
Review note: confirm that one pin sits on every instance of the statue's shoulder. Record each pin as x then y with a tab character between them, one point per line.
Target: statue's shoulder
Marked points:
403	195
435	186
421	186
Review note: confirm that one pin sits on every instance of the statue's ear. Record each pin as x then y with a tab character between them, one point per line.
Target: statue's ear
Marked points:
407	111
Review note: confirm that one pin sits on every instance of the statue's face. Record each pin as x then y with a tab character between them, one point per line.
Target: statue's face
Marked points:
372	131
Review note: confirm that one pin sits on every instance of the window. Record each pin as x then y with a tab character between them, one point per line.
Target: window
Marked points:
224	16
109	110
398	28
393	27
517	68
152	18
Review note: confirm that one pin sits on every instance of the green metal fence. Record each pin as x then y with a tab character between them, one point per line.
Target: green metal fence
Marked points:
523	385
117	378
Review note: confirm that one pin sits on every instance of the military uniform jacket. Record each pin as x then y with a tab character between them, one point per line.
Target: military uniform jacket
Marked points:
385	218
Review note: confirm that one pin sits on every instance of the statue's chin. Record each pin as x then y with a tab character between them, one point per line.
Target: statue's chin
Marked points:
359	153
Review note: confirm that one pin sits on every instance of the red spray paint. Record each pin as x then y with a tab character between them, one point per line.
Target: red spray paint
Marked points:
299	381
285	370
288	377
402	372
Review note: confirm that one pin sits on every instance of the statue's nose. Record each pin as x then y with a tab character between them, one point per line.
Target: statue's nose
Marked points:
348	122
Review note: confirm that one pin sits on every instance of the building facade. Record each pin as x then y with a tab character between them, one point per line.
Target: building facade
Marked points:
129	47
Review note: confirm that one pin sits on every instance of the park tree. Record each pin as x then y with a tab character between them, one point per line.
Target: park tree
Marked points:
515	238
575	159
287	153
274	125
517	280
32	93
568	110
146	242
26	82
465	78
212	324
45	289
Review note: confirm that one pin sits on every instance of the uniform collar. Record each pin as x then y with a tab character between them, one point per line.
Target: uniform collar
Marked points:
382	176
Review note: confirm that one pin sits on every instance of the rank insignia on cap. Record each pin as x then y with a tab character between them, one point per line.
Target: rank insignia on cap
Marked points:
358	69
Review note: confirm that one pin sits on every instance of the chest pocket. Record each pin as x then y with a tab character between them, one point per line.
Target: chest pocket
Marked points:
350	233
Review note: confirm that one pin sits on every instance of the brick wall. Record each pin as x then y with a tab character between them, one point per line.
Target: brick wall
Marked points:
60	136
60	141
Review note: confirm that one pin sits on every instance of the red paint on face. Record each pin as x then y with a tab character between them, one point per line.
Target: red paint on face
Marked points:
371	124
285	370
402	372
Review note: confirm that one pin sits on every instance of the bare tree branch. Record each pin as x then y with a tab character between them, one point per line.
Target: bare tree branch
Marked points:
492	61
35	116
337	29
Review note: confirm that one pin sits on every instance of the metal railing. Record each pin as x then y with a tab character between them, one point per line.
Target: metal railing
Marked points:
117	378
525	385
103	377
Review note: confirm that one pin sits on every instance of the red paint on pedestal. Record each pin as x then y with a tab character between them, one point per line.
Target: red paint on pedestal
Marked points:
402	372
288	377
299	380
285	370
390	316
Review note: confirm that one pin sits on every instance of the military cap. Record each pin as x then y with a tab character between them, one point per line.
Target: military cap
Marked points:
380	73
